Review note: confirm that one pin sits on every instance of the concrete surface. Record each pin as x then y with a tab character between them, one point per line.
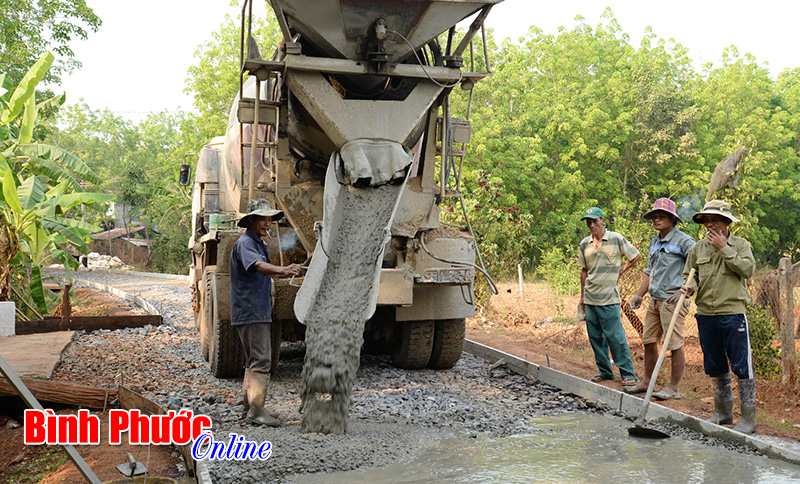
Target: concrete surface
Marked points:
35	355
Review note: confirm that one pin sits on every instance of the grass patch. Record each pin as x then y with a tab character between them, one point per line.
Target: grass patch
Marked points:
35	471
88	306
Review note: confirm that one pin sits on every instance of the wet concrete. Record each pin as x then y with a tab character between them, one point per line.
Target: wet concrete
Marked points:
344	277
574	448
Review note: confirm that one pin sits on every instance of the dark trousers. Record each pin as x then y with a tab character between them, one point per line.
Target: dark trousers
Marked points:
725	338
257	346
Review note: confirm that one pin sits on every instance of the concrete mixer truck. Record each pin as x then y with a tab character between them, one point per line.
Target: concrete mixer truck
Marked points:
347	129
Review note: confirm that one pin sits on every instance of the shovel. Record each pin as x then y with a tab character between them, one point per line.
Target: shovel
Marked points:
640	430
132	467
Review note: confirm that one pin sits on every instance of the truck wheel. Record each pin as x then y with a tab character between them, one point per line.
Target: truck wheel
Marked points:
197	304
448	342
412	344
207	319
275	341
226	357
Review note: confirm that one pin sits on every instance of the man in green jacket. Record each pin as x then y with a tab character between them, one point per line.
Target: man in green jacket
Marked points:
723	263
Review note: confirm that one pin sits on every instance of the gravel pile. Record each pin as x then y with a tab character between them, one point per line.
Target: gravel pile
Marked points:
95	261
394	413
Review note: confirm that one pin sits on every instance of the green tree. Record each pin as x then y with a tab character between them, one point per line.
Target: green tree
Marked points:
29	28
581	118
742	106
214	80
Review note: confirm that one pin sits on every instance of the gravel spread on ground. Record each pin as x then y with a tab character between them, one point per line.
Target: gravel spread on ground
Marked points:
394	413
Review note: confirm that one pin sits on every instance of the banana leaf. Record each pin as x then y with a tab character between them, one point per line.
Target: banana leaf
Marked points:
60	156
26	88
37	289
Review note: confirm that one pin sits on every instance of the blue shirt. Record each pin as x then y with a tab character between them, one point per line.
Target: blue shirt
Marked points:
666	261
251	301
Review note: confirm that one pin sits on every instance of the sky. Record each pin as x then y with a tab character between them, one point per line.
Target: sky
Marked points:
138	60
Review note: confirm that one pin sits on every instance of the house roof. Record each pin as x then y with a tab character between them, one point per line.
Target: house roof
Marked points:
117	233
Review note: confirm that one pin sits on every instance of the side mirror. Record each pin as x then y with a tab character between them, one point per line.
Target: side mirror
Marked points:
185	175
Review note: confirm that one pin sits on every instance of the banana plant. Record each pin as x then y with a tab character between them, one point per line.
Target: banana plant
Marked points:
34	223
40	185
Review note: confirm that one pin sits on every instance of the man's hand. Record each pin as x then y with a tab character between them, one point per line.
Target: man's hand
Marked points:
673	297
636	301
717	239
292	270
687	289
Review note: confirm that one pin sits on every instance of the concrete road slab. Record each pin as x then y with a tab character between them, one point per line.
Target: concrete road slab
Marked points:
35	355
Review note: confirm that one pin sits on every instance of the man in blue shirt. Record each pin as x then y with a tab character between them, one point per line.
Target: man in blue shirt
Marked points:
251	304
663	279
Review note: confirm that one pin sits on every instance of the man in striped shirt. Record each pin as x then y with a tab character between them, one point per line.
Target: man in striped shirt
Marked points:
600	258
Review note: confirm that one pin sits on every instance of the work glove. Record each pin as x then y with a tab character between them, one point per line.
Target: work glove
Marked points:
636	301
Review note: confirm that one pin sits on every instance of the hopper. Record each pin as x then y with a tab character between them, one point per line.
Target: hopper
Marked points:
341	28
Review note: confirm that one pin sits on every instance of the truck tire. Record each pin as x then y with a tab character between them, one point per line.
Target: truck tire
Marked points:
275	341
412	344
448	342
207	319
226	356
197	304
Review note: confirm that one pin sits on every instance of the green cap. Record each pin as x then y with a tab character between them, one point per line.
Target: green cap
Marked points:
593	212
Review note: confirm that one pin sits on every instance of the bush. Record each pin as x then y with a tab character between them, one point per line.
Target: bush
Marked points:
560	270
766	356
483	294
170	254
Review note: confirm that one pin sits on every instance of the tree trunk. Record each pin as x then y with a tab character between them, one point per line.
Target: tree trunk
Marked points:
9	246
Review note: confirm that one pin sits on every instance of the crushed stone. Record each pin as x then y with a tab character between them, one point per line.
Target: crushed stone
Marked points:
394	414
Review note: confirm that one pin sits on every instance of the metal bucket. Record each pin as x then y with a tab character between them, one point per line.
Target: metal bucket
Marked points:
219	221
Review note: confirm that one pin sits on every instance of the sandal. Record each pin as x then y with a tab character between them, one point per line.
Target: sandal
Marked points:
629	382
598	378
666	394
634	389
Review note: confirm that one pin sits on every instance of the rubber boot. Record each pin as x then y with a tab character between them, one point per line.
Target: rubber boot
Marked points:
256	393
245	384
245	401
747	397
723	400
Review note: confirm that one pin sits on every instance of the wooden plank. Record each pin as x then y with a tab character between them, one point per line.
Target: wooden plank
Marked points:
129	400
86	323
788	357
66	393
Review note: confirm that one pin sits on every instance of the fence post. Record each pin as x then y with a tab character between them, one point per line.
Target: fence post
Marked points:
788	365
521	284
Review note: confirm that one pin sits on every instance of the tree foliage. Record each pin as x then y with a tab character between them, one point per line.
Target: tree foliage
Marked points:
568	120
214	80
29	28
40	193
584	118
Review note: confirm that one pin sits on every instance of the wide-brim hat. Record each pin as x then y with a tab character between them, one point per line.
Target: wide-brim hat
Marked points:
261	207
663	205
715	207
